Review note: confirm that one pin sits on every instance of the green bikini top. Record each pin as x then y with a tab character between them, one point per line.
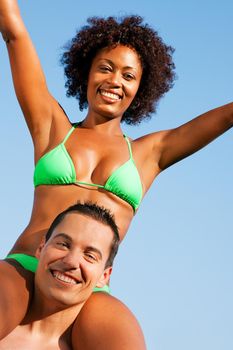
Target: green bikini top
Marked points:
57	168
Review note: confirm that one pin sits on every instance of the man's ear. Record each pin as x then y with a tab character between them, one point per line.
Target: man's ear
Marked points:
104	277
38	251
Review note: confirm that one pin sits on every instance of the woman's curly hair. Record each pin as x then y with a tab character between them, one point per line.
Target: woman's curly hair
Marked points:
156	59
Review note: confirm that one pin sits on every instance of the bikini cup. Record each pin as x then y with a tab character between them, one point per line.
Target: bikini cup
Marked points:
57	168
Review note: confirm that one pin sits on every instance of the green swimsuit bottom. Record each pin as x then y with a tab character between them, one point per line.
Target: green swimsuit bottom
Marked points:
30	263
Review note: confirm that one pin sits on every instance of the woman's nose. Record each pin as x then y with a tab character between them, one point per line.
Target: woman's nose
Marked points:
115	79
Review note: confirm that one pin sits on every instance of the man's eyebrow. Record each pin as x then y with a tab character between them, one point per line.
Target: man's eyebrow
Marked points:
89	248
63	235
95	250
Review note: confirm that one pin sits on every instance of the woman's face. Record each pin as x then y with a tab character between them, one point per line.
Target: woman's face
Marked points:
113	81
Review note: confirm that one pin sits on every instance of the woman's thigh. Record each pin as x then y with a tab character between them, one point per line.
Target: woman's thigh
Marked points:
106	323
15	292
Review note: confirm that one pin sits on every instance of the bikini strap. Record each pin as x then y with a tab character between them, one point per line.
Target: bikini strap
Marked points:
68	134
129	146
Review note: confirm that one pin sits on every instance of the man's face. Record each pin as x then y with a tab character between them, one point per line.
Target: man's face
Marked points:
73	260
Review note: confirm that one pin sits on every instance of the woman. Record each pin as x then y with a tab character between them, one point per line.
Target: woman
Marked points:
119	71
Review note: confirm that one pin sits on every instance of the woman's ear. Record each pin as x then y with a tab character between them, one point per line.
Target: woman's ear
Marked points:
104	279
38	251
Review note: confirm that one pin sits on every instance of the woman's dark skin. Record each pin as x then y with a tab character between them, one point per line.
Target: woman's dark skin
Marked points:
116	71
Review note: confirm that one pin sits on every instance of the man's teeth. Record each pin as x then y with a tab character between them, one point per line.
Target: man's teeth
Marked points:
110	95
63	278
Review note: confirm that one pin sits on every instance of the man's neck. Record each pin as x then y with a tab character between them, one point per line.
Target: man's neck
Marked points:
50	318
42	329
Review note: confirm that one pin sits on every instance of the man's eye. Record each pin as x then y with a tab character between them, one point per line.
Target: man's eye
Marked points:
91	257
62	244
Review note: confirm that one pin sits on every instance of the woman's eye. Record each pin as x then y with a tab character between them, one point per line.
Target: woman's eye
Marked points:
105	69
129	76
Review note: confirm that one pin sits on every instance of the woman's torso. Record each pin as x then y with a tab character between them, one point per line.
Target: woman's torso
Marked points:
95	156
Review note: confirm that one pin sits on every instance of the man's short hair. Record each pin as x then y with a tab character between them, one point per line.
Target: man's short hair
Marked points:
97	213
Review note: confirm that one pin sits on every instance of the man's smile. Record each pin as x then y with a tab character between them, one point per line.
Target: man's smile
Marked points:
63	277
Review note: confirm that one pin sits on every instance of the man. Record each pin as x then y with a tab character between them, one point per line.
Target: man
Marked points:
76	257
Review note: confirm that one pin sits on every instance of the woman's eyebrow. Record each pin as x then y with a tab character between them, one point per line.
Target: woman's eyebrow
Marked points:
112	63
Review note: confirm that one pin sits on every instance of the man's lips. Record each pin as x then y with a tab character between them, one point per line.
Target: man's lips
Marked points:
64	277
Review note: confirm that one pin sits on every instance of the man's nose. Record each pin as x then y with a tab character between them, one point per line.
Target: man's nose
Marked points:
72	260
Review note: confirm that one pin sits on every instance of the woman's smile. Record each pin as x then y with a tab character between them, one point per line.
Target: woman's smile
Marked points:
109	95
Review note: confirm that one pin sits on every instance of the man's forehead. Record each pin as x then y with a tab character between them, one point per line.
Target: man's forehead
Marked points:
75	227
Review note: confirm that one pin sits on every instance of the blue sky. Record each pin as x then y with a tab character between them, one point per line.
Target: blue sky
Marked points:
174	269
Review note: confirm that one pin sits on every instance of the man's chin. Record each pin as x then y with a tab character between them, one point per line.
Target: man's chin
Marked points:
67	300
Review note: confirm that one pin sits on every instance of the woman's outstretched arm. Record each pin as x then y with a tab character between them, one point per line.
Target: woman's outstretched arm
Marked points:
30	85
183	141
